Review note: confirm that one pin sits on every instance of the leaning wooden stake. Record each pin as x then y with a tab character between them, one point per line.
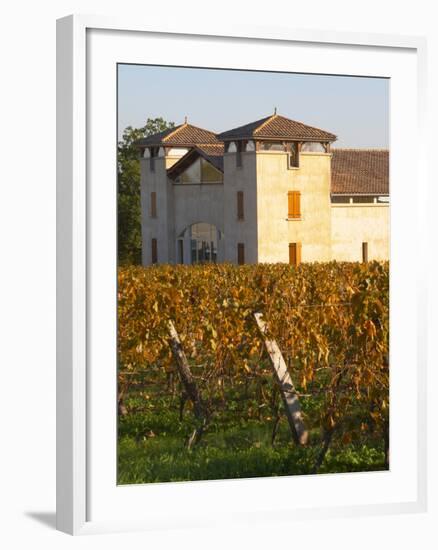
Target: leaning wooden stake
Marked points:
188	383
287	389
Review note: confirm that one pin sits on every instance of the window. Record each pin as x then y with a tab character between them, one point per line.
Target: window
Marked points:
294	253
365	199
210	174
294	205
240	214
177	152
203	242
201	171
240	253
239	154
152	159
272	146
294	155
192	174
153	204
340	199
154	251
313	147
364	252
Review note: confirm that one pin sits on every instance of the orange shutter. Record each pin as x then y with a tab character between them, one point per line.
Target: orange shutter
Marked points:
290	204
294	204
297	204
294	253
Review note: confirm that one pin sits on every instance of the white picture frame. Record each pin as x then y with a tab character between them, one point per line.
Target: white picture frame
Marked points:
81	486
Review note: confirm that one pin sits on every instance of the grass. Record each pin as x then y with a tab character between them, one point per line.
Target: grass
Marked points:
152	447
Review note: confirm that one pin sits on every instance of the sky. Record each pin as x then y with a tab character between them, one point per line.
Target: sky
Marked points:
356	109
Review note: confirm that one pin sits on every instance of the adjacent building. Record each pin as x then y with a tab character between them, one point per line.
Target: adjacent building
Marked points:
274	190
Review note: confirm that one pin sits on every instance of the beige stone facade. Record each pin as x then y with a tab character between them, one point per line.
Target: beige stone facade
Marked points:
231	200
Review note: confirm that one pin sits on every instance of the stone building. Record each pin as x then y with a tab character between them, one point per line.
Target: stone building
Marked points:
274	190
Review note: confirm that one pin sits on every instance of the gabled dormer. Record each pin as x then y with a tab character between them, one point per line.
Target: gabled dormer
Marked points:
203	164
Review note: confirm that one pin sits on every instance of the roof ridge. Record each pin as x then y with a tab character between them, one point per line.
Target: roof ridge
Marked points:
198	128
271	117
260	122
175	130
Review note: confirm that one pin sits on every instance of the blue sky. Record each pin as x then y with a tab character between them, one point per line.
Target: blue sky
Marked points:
355	109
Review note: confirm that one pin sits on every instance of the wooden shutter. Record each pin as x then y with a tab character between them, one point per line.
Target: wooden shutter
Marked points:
154	251
240	205
294	253
364	252
297	204
153	204
290	205
294	204
298	253
240	253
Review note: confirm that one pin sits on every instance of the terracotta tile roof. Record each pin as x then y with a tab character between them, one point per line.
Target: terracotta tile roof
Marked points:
184	135
277	127
360	172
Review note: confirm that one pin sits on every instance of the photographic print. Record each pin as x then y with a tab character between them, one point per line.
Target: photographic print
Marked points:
253	274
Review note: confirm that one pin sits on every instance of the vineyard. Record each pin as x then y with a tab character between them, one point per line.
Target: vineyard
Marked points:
228	419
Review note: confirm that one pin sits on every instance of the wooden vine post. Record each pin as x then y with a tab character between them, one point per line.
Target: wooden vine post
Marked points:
287	390
188	383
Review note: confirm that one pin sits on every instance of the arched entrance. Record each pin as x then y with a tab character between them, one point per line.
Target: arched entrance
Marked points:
198	243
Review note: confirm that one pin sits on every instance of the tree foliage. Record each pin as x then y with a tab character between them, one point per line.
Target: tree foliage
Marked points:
128	195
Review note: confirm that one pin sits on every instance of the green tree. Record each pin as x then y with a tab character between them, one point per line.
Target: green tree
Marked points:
128	191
